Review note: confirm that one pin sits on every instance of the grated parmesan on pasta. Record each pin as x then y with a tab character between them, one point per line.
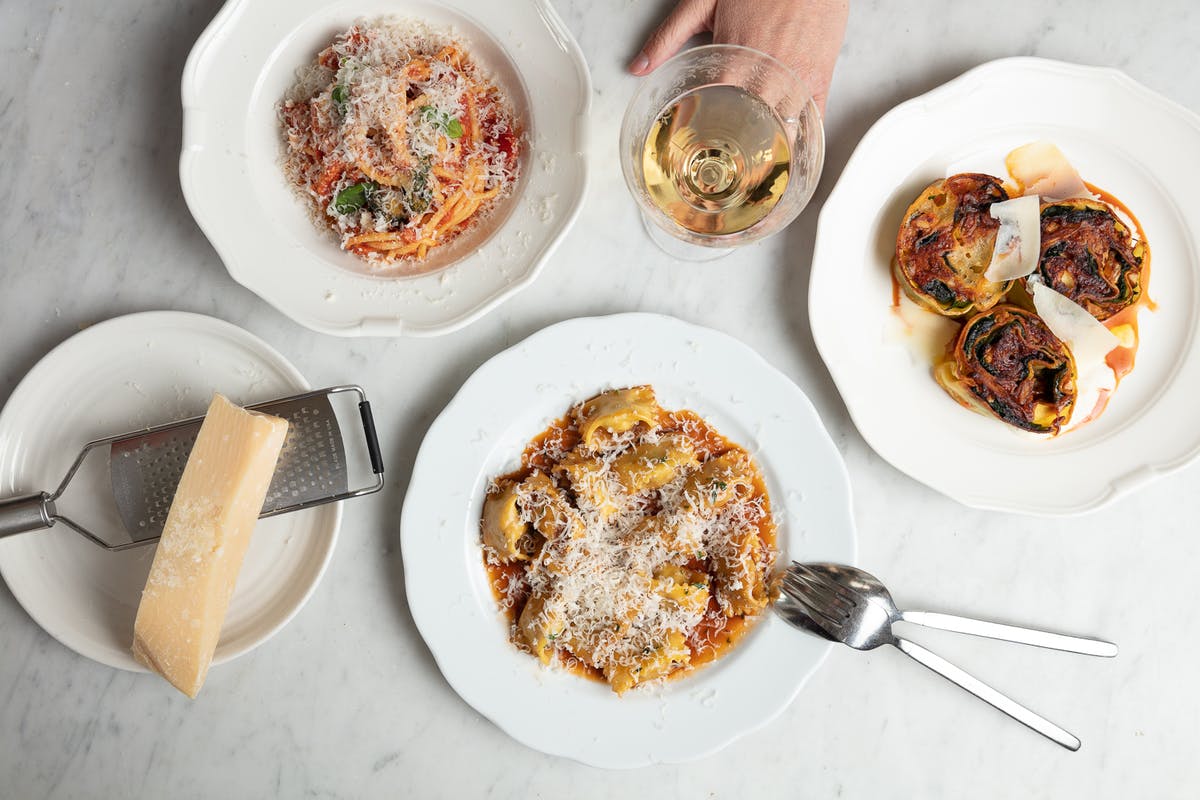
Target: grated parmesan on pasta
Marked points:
632	554
397	140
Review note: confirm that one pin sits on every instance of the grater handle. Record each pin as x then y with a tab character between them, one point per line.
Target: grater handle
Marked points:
368	421
24	514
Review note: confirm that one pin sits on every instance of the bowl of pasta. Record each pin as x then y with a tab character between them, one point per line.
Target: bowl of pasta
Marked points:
375	168
592	533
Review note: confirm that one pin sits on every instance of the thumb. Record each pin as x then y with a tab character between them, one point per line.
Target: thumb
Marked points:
687	19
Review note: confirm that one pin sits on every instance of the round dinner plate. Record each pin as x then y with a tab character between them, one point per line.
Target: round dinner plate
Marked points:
128	373
233	180
1123	138
482	433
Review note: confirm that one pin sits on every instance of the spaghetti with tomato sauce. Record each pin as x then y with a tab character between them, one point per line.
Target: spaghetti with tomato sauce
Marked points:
397	140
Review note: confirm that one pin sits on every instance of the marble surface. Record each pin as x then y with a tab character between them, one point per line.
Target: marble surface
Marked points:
346	701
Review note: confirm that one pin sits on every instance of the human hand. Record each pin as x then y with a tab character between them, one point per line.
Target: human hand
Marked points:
804	34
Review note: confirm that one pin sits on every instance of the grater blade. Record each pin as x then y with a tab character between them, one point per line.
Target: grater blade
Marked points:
146	467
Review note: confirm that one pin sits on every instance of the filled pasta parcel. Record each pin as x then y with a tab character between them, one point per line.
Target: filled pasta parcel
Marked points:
635	543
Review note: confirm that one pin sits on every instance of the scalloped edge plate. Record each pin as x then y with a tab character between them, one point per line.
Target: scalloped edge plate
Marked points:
1123	138
482	433
235	188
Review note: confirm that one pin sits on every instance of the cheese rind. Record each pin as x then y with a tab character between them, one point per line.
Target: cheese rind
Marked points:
204	542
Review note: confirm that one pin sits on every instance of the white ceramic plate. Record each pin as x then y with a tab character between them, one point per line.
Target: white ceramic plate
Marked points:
120	375
482	434
1123	138
234	185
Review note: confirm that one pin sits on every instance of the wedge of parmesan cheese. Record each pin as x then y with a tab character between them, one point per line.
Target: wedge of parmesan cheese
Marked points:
207	532
1019	240
1042	169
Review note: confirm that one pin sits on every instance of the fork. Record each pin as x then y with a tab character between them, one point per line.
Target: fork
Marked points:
863	620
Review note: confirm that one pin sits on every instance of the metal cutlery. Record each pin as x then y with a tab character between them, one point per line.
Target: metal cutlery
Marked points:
145	467
848	605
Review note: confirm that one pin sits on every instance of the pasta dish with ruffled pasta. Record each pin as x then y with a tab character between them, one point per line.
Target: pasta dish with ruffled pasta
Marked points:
633	544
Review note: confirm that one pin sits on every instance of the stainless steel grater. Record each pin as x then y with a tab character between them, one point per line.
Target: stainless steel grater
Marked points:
145	467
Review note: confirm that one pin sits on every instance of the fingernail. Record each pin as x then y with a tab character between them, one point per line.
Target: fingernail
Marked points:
639	64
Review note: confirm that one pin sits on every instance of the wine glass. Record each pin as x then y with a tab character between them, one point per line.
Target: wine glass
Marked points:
721	146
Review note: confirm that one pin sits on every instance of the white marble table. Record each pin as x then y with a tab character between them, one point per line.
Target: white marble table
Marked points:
346	701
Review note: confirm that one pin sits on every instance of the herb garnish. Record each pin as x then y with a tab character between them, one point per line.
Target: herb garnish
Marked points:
448	124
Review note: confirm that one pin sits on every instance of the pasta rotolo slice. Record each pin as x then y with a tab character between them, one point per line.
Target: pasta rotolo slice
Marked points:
945	245
1008	363
1088	255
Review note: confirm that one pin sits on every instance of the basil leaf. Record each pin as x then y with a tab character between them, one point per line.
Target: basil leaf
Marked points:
448	124
420	196
340	97
350	199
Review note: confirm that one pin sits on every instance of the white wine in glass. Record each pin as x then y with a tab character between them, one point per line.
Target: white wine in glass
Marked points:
721	146
717	160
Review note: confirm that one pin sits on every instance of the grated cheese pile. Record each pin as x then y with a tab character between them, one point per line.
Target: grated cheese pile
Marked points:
618	575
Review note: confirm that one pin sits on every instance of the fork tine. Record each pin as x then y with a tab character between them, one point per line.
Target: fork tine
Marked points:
818	615
824	580
814	604
800	586
820	592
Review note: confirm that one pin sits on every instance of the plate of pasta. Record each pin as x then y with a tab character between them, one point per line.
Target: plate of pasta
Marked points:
982	290
375	168
610	510
400	145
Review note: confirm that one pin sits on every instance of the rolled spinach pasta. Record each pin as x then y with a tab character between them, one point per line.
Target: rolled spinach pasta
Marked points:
1007	363
1088	255
945	244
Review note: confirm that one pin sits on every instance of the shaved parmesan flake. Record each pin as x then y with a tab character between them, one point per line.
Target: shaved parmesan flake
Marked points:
1042	169
1090	343
1019	240
1083	333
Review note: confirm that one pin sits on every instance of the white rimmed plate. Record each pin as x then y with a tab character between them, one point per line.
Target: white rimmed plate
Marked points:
127	373
234	184
1123	138
482	433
